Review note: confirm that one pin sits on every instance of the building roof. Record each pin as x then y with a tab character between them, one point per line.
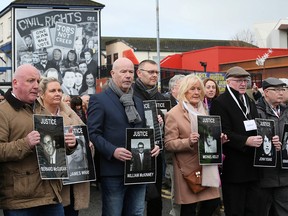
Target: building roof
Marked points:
170	44
56	3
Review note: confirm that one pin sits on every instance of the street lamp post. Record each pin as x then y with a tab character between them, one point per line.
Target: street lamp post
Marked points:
158	43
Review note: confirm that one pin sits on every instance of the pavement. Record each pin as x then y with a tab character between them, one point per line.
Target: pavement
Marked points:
95	204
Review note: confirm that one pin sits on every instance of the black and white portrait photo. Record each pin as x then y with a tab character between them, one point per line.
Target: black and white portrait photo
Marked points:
210	144
141	156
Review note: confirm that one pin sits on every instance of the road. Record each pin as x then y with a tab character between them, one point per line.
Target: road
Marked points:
95	205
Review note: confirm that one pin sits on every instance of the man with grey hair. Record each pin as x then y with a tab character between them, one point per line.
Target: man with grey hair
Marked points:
285	93
274	181
174	84
240	185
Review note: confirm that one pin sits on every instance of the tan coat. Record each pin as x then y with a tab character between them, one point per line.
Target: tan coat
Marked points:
82	190
177	131
20	182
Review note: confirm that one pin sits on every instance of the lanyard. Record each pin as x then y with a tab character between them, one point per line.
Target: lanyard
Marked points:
276	111
244	100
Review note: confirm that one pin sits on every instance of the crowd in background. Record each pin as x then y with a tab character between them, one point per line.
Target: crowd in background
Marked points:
67	88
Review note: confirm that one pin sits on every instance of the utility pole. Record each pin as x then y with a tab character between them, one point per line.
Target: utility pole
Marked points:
158	43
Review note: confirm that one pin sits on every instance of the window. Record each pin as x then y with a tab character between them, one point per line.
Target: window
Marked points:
109	61
9	27
115	57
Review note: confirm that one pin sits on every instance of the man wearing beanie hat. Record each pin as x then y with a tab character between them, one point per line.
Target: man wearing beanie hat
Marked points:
274	181
240	184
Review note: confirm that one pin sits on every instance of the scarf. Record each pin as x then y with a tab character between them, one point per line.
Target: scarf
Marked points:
127	100
210	173
148	93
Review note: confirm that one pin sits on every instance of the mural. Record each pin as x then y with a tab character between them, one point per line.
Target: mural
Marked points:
60	43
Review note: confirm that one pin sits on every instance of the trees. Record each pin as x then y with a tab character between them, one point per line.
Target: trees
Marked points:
245	35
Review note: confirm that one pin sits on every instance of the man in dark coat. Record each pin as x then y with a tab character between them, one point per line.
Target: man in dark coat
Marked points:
240	184
274	181
174	84
146	88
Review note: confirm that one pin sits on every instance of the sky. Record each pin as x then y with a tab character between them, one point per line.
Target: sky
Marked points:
186	19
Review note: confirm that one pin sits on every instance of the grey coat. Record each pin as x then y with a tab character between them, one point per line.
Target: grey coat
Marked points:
273	177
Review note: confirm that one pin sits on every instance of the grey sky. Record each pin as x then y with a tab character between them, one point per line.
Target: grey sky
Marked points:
193	19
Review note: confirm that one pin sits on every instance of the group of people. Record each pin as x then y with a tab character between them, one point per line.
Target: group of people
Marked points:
30	95
246	190
76	70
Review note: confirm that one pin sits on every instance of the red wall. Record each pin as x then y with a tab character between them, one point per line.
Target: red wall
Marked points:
215	56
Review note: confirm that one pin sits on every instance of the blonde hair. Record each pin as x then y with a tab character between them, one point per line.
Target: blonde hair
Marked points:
44	82
186	83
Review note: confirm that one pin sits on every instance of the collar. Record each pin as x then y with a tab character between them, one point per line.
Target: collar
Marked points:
88	61
15	102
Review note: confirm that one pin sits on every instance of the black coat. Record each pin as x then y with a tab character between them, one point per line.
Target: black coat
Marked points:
238	162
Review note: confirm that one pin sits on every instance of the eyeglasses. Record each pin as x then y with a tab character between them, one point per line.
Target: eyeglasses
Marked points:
240	80
151	72
277	89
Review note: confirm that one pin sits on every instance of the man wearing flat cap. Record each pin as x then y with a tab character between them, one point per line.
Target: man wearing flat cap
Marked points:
274	181
240	184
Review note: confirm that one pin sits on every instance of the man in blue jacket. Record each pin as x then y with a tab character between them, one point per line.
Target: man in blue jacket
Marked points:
109	114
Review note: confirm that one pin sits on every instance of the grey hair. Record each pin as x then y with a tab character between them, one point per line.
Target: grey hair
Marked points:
174	79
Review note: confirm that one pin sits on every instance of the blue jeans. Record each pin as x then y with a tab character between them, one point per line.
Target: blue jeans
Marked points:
46	210
122	200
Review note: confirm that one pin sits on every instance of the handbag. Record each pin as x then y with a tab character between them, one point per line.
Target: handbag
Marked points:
193	179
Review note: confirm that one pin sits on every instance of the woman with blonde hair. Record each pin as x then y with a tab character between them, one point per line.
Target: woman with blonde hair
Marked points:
181	138
75	196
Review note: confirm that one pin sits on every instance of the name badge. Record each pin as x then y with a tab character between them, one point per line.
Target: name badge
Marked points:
250	125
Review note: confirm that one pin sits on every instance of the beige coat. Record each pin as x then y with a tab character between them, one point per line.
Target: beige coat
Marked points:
82	190
177	131
20	182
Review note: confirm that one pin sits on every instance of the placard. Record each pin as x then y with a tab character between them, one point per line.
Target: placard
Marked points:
51	151
209	145
151	115
142	167
284	151
80	162
265	155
